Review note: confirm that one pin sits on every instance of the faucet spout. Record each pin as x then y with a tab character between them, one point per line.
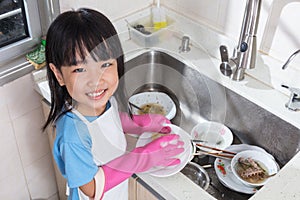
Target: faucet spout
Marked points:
244	55
290	59
247	45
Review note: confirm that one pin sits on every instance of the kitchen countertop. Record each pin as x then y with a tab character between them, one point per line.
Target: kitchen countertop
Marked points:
285	184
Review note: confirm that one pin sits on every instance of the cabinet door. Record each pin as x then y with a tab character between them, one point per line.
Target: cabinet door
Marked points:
60	181
132	188
143	194
136	191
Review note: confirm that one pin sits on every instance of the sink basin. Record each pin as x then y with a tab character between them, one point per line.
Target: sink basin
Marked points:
199	98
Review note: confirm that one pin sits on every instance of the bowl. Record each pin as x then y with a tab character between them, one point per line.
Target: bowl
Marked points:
154	99
253	176
213	134
197	174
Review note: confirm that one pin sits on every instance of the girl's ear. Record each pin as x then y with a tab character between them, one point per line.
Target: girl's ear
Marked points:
57	74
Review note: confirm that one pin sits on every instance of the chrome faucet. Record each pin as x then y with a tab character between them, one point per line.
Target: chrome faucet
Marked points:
244	55
294	99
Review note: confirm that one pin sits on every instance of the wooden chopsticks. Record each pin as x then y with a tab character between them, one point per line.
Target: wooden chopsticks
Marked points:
218	155
220	152
216	149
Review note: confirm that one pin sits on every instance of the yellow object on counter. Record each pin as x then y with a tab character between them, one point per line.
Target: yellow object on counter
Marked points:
159	19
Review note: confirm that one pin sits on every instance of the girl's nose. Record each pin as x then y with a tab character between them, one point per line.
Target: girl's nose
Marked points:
94	78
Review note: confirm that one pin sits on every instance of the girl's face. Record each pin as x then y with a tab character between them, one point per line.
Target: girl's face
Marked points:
90	83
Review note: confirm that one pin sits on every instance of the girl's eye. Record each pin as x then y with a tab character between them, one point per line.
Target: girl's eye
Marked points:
104	65
78	70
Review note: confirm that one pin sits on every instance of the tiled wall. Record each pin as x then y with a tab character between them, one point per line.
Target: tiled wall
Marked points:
114	9
26	170
278	30
277	35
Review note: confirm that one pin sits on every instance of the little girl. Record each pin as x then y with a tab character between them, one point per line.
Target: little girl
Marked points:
84	62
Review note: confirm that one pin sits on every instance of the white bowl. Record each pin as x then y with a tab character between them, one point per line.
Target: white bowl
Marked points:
160	98
262	158
214	134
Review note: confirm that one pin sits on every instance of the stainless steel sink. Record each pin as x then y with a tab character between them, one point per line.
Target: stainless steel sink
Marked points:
197	97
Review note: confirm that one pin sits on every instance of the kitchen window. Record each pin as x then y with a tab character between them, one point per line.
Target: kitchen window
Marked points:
22	24
13	24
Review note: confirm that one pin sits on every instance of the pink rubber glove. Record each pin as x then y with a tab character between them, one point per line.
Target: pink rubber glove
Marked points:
144	123
160	152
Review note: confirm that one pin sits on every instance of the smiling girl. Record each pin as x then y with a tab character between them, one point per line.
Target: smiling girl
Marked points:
84	62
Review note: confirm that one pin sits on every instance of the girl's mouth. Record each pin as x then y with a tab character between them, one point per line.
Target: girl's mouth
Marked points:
96	94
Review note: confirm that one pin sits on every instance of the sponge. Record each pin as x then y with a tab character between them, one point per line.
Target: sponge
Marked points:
37	57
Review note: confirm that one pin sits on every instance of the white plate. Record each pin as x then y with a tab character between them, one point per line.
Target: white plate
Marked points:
184	157
225	174
214	134
160	98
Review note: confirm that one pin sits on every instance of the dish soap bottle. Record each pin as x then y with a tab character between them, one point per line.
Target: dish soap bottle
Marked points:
158	17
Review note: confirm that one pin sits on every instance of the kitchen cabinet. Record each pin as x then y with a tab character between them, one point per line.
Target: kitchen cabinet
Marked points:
137	190
60	181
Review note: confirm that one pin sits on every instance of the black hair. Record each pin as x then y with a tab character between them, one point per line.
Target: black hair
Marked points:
76	33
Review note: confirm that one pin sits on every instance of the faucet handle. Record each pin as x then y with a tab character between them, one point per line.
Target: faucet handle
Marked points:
224	53
224	66
294	99
294	91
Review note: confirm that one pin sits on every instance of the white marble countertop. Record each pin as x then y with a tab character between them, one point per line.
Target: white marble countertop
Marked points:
285	184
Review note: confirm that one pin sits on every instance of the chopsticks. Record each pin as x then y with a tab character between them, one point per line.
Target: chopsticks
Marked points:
133	105
220	152
218	155
216	149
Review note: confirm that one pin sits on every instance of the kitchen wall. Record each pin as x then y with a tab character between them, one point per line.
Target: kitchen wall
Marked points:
278	31
26	170
277	36
114	9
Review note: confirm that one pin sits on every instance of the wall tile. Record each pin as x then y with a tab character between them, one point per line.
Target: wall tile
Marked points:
14	187
53	197
202	11
20	96
4	117
286	39
9	154
32	142
40	178
113	9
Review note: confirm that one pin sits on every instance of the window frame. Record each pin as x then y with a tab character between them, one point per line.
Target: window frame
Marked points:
13	50
39	15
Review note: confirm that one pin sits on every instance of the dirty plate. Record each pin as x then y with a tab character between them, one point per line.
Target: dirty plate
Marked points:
184	157
212	134
225	174
157	100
